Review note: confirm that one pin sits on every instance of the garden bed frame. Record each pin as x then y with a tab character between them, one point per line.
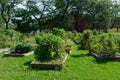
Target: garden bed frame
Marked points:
48	65
110	58
14	54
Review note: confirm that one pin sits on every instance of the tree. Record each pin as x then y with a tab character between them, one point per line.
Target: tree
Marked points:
101	13
24	21
1	21
116	13
6	10
65	13
41	10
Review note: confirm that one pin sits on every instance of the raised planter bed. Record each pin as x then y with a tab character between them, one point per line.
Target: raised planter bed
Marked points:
58	63
102	56
15	54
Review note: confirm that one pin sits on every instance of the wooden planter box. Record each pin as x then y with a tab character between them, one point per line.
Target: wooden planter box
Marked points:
43	65
100	56
14	54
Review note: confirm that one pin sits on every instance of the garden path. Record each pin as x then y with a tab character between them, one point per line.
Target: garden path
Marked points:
5	49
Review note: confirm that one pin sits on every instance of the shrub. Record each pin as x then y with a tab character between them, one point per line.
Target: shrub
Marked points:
70	34
38	38
60	32
118	42
105	43
11	33
8	38
23	47
86	39
95	32
77	37
3	40
49	47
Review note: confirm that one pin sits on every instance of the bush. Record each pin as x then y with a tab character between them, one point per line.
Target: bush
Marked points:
86	39
8	38
95	32
23	47
3	40
38	38
77	37
60	32
11	33
49	47
105	43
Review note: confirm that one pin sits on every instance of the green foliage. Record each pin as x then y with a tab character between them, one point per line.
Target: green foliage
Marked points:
8	37
2	41
96	32
108	43
86	39
105	43
38	38
7	8
77	37
79	66
23	47
60	32
49	46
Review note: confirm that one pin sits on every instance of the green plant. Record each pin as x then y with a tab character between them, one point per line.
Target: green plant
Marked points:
60	32
23	47
2	40
49	47
105	43
86	39
11	68
39	38
77	37
95	32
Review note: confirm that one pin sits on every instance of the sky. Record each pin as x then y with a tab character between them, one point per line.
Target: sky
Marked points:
22	6
118	1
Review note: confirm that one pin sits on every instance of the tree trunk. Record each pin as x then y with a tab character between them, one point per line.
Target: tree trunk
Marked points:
6	25
65	11
39	26
6	20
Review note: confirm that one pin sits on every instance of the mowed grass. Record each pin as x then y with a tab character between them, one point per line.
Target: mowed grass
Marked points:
79	66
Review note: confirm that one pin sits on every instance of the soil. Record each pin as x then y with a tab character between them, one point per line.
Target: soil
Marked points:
105	56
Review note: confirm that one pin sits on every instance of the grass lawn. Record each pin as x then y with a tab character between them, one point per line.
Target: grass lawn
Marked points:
79	66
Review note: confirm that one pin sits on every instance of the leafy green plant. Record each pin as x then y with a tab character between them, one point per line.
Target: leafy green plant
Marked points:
49	47
23	47
86	39
105	43
95	32
3	41
8	38
60	32
39	38
77	37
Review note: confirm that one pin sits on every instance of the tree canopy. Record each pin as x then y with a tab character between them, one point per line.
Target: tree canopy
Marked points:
44	14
